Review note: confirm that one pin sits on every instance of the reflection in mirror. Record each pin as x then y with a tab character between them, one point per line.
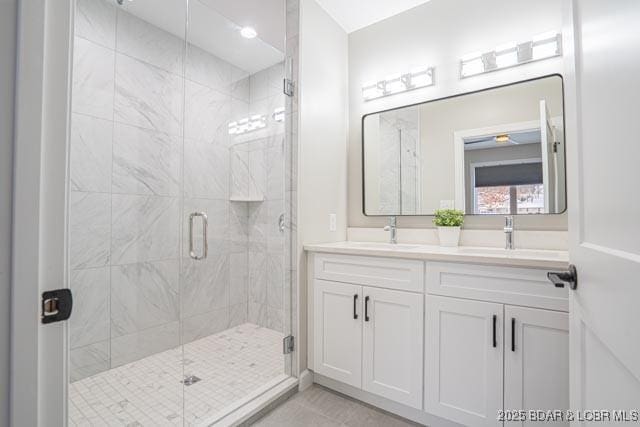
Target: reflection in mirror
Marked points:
497	151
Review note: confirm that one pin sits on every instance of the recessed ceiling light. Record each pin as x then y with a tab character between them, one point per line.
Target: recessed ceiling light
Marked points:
501	139
248	32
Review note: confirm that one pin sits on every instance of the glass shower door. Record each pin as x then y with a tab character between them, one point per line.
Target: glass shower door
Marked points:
177	213
125	213
233	304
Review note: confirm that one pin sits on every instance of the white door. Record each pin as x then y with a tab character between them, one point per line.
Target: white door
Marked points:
392	348
338	331
604	205
463	379
536	361
548	158
38	351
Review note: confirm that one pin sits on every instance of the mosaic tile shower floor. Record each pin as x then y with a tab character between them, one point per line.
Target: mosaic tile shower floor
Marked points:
149	392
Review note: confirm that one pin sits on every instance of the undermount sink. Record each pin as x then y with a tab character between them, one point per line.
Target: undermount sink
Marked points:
378	245
507	252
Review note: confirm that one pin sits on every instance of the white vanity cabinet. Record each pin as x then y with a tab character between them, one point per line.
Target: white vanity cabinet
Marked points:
536	361
439	342
338	331
464	360
370	337
486	356
468	364
392	345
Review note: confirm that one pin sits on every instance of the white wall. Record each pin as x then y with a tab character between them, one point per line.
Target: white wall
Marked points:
322	179
323	124
438	33
7	74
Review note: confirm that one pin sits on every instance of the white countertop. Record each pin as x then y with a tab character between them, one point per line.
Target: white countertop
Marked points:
533	258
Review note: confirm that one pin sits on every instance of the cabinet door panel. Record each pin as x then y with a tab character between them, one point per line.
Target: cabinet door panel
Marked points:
536	361
337	335
464	375
392	349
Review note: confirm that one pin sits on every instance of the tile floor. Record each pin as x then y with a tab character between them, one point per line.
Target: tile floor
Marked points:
318	406
149	392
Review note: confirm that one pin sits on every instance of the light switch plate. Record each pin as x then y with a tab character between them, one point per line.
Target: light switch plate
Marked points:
333	220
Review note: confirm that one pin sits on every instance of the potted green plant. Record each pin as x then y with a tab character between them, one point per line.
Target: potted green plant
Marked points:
448	222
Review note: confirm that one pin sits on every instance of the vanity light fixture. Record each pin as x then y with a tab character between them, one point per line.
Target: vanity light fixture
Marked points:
542	46
471	64
396	83
248	124
506	55
546	45
278	114
255	122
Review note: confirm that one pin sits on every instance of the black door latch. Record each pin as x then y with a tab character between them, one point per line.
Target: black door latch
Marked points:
559	278
56	305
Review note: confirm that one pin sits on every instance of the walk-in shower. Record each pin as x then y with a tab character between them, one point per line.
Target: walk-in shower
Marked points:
399	150
179	205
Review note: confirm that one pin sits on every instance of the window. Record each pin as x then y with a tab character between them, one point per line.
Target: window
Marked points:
530	199
508	189
509	200
492	200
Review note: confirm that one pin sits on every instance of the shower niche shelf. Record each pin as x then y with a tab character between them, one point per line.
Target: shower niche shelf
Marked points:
256	199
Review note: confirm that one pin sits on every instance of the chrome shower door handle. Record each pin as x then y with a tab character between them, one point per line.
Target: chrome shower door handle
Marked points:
205	245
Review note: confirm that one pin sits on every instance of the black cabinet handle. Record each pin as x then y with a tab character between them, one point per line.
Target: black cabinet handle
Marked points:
355	301
495	342
513	334
366	309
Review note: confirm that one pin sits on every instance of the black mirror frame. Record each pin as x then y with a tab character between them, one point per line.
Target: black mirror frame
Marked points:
362	156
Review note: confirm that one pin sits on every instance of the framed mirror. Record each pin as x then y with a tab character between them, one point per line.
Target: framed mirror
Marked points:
498	151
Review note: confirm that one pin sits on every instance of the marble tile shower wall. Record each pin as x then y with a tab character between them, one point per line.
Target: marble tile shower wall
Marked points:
149	145
257	171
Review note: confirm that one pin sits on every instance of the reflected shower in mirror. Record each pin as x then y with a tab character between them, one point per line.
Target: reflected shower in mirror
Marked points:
496	151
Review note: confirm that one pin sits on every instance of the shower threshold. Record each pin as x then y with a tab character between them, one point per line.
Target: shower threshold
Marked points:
233	367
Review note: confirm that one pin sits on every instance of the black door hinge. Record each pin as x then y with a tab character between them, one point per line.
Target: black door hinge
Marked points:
287	344
288	87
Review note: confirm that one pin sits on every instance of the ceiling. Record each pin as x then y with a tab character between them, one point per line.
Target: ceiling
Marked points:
214	26
266	16
353	15
515	138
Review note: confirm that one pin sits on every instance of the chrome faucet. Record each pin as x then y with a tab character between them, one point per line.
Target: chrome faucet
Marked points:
393	235
508	232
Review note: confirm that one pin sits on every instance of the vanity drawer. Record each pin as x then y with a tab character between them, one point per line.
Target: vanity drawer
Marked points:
509	285
401	274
